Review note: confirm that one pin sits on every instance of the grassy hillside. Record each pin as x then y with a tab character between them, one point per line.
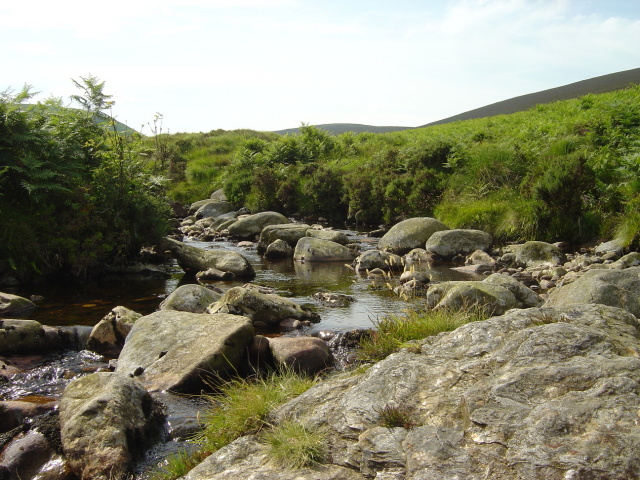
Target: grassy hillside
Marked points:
560	171
338	128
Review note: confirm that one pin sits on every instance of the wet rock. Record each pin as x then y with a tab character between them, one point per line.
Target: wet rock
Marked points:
190	298
25	456
418	276
533	394
533	254
409	234
329	299
331	235
192	259
105	419
251	226
450	243
268	308
417	259
21	336
13	413
179	351
616	288
371	259
278	249
317	250
308	355
289	325
13	306
213	274
107	337
289	233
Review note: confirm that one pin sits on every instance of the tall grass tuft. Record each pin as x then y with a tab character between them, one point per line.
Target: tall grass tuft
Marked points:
392	332
292	445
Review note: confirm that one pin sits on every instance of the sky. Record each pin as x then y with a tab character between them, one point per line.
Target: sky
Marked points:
275	64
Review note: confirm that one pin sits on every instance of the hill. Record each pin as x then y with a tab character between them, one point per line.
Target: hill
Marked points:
602	84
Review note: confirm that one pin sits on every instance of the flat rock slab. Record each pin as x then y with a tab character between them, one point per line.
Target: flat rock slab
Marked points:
179	351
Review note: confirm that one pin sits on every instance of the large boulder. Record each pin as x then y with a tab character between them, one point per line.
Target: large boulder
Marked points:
371	259
13	306
534	254
19	336
249	227
105	419
617	288
524	295
540	393
307	355
214	208
190	298
180	351
310	249
108	335
288	232
493	298
192	259
409	234
449	243
331	235
266	308
278	249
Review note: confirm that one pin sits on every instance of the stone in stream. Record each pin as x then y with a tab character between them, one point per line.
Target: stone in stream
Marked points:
331	235
105	420
214	209
278	249
307	355
181	351
108	335
13	306
249	227
532	254
193	259
190	298
409	234
288	232
310	249
450	243
371	259
19	336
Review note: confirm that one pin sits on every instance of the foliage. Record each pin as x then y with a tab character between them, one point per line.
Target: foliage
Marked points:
73	192
292	445
392	332
392	416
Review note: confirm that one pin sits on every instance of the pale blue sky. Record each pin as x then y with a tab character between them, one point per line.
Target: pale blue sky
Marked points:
272	64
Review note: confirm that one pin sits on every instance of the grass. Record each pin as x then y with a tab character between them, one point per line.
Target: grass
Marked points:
392	416
292	445
393	332
241	407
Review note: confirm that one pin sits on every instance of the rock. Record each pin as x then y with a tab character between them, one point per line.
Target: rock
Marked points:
219	195
13	306
329	299
259	353
21	336
252	225
267	308
317	250
214	209
67	338
616	288
105	420
409	234
525	296
193	208
331	235
287	232
540	393
179	351
308	355
417	259
629	260
107	337
25	455
278	249
534	254
377	259
418	276
449	243
13	413
494	299
214	274
247	457
192	259
480	257
190	298
612	246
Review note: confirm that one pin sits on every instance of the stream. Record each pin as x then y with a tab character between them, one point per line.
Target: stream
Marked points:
45	377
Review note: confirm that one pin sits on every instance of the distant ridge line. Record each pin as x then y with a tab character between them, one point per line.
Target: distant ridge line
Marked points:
601	84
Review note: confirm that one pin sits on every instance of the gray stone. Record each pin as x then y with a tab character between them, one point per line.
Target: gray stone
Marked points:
612	246
214	209
493	298
409	234
480	257
13	306
288	232
190	298
108	335
330	299
616	288
278	249
193	259
535	254
449	243
105	419
25	456
249	227
219	195
417	259
629	260
317	250
371	259
331	235
267	308
21	336
525	296
307	355
541	393
180	351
